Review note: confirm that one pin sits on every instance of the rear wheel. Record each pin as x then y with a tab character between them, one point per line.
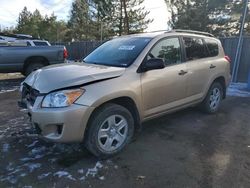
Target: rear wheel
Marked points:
213	99
110	130
32	67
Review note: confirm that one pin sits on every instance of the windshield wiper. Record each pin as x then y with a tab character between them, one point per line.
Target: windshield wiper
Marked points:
104	64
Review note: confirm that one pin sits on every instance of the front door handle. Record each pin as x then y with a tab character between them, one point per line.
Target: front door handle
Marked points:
212	66
182	72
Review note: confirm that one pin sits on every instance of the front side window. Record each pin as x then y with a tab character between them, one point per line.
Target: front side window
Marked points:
195	48
119	52
167	49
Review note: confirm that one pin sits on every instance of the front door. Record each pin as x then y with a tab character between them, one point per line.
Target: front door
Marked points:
164	89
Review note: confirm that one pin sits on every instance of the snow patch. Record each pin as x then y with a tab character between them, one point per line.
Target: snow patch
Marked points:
6	147
33	144
238	90
102	178
82	178
23	110
38	150
23	174
10	167
12	179
42	176
52	160
60	174
15	171
32	166
80	171
93	171
8	90
25	159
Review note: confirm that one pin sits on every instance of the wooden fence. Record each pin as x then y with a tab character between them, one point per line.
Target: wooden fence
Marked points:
78	50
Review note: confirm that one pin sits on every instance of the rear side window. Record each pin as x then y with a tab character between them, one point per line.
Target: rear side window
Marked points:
195	48
212	46
40	43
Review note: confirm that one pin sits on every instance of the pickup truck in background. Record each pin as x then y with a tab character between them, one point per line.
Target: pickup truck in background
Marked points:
26	59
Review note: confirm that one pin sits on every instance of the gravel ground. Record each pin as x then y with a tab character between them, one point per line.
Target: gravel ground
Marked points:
184	149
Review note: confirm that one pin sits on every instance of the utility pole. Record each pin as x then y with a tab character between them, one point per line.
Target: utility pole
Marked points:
101	31
240	43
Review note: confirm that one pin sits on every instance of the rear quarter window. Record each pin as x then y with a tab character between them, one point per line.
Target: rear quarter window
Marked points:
212	46
195	48
198	48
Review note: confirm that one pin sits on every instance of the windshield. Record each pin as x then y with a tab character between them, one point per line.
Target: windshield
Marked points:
119	52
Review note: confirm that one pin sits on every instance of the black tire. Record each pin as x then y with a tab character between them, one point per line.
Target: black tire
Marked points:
207	105
32	67
92	142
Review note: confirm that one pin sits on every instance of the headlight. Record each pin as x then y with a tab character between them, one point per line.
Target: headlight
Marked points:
62	98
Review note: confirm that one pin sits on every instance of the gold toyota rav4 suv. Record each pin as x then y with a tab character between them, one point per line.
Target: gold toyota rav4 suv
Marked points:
124	82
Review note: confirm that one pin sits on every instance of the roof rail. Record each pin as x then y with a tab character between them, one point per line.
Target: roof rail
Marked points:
193	32
163	30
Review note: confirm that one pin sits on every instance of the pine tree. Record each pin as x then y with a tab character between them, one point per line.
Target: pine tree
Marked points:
130	16
102	16
24	20
218	17
80	22
190	14
44	27
100	19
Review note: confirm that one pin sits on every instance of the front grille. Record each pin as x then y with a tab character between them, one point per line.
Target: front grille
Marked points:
29	94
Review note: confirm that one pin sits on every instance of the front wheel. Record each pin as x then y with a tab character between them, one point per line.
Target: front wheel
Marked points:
110	129
33	67
213	99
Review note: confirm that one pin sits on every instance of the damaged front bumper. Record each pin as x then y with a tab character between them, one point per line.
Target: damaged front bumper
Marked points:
65	124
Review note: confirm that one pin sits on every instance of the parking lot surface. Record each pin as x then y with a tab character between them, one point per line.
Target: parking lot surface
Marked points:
184	149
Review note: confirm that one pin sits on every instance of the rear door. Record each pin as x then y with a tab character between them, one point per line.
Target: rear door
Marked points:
200	66
165	88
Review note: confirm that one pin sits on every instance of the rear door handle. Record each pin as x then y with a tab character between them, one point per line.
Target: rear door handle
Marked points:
182	72
212	66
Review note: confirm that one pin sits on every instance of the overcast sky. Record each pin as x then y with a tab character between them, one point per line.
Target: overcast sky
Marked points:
10	9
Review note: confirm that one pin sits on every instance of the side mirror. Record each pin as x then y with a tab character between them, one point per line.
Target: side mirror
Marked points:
152	64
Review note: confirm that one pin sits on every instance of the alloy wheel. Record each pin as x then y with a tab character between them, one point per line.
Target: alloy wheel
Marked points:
112	133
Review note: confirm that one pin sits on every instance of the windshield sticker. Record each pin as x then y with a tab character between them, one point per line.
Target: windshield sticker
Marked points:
126	47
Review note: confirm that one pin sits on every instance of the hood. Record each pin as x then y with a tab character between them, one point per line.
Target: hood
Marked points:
61	76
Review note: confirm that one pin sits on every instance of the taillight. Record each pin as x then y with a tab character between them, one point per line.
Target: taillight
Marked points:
65	53
228	58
